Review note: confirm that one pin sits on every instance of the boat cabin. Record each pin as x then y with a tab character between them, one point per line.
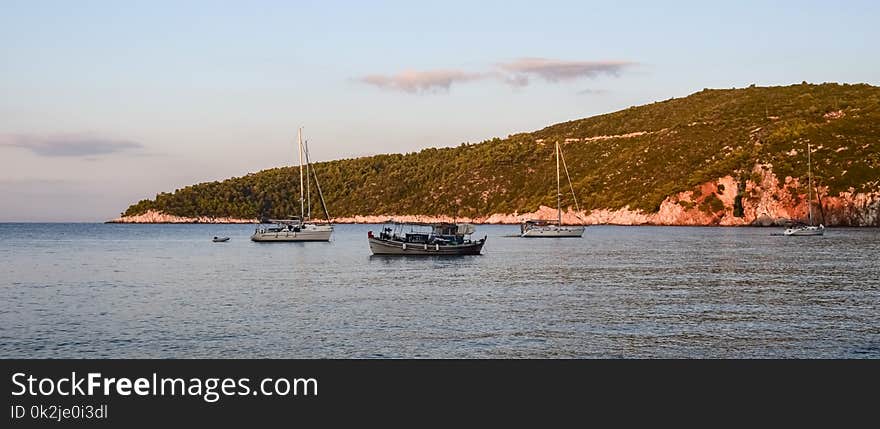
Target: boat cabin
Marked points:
538	222
427	233
416	237
534	223
282	225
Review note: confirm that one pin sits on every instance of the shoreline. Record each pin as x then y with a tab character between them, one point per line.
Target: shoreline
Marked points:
496	219
671	214
474	223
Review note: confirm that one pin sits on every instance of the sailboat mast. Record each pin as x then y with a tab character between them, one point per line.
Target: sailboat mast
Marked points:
809	183
302	207
558	198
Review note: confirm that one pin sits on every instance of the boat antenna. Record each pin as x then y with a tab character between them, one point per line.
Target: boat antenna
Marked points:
809	183
317	184
302	209
558	195
570	186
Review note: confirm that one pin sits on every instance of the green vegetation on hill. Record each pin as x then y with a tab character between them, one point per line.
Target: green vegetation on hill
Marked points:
671	146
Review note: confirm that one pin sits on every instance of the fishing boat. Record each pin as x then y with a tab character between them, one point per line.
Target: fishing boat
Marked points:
544	228
300	228
442	238
808	229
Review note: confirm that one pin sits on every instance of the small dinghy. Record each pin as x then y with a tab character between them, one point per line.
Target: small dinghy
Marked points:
221	239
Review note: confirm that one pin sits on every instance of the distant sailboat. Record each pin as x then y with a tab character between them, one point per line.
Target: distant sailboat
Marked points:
542	228
806	230
302	228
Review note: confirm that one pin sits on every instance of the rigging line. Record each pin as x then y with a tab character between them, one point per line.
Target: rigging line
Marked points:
819	202
317	185
302	210
809	183
308	183
570	186
558	196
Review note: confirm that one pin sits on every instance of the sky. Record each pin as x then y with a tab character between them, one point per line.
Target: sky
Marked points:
106	103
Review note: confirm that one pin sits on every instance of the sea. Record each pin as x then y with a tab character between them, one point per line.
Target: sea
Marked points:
83	290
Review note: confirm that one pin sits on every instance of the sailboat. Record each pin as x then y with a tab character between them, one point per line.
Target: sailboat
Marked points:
805	230
542	228
300	228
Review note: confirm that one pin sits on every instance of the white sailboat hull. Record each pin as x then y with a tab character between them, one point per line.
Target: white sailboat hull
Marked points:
803	231
309	233
554	231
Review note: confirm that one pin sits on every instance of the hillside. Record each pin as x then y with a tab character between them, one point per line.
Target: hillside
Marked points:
719	156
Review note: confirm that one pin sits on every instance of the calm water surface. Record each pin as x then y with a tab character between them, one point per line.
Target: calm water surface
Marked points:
127	291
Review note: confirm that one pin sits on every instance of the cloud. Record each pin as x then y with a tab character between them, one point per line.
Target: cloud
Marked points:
68	145
519	80
560	70
517	73
17	182
413	81
590	91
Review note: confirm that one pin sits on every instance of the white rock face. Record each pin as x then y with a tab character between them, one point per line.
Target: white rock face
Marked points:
152	216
